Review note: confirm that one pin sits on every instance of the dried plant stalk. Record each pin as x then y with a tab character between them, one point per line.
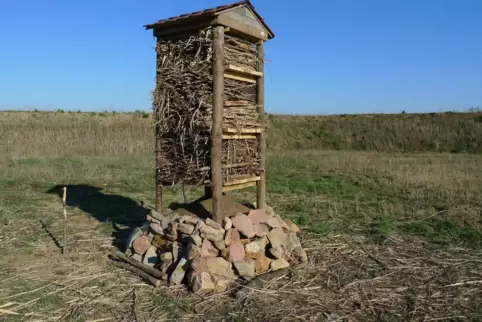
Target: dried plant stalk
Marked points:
182	103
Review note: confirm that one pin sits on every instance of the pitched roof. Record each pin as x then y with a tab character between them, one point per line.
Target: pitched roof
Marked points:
207	13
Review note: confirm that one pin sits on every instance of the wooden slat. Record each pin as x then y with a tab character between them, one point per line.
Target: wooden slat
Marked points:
233	130
240	78
242	70
238	137
241	181
235	103
239	186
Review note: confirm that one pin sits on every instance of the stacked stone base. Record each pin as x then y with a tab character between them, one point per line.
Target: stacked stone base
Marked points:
208	256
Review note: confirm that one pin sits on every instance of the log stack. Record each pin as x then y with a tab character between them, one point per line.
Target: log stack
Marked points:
206	256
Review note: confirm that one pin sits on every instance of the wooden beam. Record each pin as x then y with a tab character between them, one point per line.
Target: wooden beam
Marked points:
242	28
242	70
233	130
241	181
261	187
238	137
239	186
217	120
232	75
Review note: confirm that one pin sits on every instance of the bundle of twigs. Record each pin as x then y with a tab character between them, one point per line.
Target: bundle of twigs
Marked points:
182	101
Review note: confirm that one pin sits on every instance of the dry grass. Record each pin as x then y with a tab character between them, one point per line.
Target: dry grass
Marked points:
390	236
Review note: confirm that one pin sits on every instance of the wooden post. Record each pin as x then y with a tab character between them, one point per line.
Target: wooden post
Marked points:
64	207
217	120
158	184
261	188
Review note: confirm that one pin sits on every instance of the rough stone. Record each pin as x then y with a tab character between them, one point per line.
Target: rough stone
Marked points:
150	257
208	249
166	221
189	220
279	264
193	251
282	222
165	266
300	254
256	246
262	264
213	237
276	252
179	272
292	226
261	230
141	244
154	214
152	219
274	222
269	211
291	242
185	228
213	224
158	241
255	255
245	268
206	229
221	282
227	223
219	244
200	282
244	225
236	252
232	236
218	265
167	256
276	237
258	216
156	228
244	241
136	232
199	264
150	237
137	257
198	227
230	206
196	240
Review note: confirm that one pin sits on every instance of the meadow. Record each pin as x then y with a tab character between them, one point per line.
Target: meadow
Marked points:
389	206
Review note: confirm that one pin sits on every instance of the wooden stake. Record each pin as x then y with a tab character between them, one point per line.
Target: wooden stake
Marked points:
154	281
217	120
64	206
261	188
158	184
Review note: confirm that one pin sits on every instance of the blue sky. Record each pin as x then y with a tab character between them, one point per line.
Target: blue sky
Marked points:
328	57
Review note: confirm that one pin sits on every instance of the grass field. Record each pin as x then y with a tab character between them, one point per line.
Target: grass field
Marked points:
390	236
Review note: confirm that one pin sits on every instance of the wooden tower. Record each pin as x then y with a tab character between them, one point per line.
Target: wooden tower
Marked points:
208	101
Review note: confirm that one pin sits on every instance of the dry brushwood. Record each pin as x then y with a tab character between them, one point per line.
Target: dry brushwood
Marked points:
182	102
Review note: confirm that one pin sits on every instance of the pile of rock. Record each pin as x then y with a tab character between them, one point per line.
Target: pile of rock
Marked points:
208	256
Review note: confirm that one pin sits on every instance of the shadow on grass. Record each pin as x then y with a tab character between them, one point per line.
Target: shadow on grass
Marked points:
123	213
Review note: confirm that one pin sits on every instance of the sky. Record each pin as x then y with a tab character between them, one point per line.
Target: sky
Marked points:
328	56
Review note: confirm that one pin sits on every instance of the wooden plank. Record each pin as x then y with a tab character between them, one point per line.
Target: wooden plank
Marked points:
239	137
241	181
240	78
242	70
233	130
236	27
235	103
239	186
261	188
217	120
